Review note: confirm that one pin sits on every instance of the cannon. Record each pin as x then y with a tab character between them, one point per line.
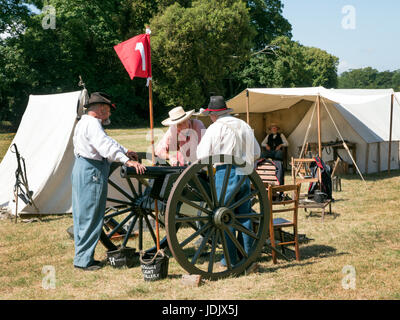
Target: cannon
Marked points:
194	222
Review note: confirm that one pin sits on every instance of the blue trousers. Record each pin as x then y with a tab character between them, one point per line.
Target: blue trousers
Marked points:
243	238
273	154
89	196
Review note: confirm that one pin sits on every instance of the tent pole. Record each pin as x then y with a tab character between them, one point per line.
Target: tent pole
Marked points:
390	132
319	138
367	159
319	126
248	106
305	140
379	157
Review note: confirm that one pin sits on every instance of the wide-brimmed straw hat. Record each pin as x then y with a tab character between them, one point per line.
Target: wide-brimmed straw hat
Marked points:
99	98
217	106
273	125
177	115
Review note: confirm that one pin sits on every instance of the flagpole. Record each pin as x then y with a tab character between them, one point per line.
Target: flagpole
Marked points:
153	156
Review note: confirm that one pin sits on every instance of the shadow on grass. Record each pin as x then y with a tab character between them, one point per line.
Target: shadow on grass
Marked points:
320	251
309	215
33	217
373	176
306	253
280	265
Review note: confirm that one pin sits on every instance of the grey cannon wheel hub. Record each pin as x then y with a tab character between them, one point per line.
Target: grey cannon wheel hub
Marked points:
223	217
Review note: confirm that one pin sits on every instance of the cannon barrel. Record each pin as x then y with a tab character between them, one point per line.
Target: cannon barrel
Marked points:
151	172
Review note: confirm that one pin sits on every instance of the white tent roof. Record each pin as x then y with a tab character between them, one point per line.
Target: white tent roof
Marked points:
367	111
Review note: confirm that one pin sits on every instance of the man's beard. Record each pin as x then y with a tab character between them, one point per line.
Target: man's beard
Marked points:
106	122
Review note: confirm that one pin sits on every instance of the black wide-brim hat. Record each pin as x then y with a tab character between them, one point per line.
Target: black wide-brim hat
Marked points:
217	106
100	98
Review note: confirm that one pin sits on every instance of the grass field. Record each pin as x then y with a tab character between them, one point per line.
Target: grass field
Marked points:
364	236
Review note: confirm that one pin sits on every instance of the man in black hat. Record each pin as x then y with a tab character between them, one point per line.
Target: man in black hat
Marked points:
230	136
94	151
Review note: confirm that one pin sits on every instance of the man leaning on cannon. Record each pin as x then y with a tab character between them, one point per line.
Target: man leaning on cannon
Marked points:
94	152
234	137
183	136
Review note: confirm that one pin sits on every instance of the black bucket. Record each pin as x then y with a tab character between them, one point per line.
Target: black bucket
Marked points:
154	265
123	257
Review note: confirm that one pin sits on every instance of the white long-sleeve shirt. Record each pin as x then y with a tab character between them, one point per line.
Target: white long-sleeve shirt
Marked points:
91	141
231	136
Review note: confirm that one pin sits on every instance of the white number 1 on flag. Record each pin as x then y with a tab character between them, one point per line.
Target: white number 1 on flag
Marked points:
140	47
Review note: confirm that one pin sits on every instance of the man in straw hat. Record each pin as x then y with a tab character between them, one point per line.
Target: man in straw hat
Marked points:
230	136
183	136
94	151
273	143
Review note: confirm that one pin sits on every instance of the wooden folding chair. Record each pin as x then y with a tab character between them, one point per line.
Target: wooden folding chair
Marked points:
280	223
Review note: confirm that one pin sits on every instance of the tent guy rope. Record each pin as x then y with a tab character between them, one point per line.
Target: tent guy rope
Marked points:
344	143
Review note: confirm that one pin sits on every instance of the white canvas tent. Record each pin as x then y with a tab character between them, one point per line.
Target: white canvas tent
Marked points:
361	116
44	140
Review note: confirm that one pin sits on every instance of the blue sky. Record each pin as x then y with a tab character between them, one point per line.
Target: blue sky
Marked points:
374	42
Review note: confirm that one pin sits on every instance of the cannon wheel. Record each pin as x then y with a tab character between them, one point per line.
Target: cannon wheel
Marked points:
121	218
198	251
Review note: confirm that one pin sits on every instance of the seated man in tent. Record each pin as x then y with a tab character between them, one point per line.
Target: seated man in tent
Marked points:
94	151
182	138
273	144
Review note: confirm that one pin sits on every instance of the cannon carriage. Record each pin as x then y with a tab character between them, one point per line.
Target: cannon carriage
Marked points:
195	221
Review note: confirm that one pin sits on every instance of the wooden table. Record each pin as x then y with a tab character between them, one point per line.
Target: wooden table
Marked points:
340	145
336	145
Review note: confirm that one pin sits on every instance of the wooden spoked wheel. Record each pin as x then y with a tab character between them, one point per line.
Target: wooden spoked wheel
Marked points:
129	215
202	239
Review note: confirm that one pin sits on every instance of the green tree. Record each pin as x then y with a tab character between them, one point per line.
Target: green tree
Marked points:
266	16
13	14
370	78
321	67
396	80
290	65
50	61
195	48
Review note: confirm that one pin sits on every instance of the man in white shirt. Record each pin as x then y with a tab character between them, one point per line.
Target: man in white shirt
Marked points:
231	136
273	143
94	152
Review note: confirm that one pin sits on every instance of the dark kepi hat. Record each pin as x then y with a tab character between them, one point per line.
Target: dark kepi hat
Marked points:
99	98
217	106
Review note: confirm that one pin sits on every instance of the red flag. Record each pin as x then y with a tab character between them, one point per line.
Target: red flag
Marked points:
135	56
